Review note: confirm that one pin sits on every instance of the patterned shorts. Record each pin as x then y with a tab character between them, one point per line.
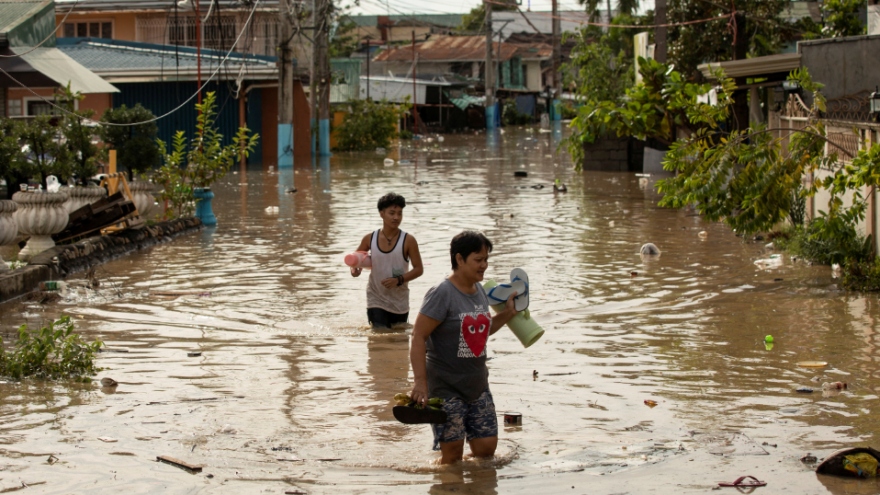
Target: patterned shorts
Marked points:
467	420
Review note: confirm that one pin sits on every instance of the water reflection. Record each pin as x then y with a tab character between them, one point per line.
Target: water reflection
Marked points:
288	364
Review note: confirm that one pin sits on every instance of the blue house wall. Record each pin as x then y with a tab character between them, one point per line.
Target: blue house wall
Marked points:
163	97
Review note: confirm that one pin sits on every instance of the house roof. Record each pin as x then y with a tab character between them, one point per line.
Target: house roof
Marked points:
128	61
60	68
12	12
448	49
754	67
441	20
26	22
63	6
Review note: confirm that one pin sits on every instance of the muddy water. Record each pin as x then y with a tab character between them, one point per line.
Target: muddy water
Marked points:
292	391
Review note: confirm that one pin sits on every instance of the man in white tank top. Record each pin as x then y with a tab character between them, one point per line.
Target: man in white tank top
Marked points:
391	251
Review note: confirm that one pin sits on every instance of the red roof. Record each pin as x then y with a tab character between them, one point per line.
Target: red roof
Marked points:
449	49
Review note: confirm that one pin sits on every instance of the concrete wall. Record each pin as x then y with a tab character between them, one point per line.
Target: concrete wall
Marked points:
614	155
845	66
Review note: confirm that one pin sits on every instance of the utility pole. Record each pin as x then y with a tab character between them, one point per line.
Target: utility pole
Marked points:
198	13
416	128
660	31
489	69
369	56
740	96
285	85
557	55
320	80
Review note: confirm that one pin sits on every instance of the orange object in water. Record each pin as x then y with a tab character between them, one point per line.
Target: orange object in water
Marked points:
650	403
359	259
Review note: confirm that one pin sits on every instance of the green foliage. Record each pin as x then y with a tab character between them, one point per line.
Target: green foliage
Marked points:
201	162
745	178
52	352
135	145
511	116
369	125
628	7
693	44
598	70
663	102
344	40
80	136
11	157
842	18
861	275
44	155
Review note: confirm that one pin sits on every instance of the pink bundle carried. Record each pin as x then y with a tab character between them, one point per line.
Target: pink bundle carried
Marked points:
358	259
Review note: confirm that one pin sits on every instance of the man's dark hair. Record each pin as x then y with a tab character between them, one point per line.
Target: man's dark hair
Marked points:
467	243
391	199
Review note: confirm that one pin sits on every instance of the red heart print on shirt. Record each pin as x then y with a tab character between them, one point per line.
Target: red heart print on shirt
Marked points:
475	332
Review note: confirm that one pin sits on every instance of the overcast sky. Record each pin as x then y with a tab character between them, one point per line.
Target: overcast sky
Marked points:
396	7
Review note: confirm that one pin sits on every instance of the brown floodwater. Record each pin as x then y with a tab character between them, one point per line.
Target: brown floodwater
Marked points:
292	391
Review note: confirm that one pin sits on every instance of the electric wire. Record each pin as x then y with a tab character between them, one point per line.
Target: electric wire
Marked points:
154	119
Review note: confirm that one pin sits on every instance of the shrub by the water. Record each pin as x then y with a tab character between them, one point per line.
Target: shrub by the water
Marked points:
52	352
369	125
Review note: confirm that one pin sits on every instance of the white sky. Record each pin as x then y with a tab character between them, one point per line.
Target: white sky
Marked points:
396	7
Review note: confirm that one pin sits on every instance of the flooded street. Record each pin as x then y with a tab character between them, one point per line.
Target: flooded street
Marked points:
292	391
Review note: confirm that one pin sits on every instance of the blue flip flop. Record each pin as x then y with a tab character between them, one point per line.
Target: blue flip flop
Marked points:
519	283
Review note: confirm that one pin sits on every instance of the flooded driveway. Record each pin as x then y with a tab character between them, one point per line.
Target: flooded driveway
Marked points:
244	348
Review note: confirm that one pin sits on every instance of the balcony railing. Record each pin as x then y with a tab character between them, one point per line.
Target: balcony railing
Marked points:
219	33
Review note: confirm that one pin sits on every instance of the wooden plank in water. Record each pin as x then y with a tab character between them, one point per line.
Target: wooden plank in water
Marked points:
167	459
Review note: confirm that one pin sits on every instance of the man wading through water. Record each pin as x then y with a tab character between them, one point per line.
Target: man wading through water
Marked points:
391	251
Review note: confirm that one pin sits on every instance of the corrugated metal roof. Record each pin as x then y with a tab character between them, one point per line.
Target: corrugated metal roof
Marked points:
54	64
448	49
62	6
13	11
754	67
119	61
442	20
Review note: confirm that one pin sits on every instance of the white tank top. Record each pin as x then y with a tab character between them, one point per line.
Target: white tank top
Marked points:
386	265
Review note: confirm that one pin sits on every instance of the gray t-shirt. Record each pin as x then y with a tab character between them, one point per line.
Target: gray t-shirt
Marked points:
457	347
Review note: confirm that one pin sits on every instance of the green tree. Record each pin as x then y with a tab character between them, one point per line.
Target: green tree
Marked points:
133	137
11	157
44	155
344	40
842	18
693	44
626	7
368	125
80	136
600	67
662	103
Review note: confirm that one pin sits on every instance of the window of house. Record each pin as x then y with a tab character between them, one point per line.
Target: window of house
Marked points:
14	108
39	107
88	29
219	33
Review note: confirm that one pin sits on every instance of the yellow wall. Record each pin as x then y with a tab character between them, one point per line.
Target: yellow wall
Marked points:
123	23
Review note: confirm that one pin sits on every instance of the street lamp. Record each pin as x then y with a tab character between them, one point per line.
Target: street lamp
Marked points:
875	103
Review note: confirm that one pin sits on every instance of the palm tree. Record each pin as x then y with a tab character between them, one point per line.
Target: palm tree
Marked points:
628	7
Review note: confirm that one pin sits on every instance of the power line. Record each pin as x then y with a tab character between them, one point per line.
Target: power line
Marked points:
154	119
